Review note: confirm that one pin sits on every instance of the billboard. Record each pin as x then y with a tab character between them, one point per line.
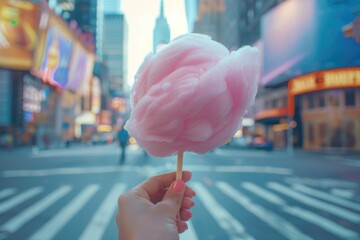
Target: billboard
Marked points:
298	42
56	59
18	33
81	59
54	48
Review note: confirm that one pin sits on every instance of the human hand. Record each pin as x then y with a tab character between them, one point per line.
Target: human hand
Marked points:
157	209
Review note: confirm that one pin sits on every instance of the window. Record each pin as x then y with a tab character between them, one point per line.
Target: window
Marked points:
321	100
275	103
311	132
311	101
334	98
350	97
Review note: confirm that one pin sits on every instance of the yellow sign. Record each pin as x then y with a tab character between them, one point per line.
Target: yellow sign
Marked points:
337	78
341	78
303	84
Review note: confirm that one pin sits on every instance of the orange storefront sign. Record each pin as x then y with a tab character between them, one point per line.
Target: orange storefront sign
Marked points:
272	113
323	80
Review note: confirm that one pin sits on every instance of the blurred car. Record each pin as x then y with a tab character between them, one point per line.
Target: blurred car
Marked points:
252	142
102	138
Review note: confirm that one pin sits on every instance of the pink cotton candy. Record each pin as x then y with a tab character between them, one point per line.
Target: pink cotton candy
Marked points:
191	95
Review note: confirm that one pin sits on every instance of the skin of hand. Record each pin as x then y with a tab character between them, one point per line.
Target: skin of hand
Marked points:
157	209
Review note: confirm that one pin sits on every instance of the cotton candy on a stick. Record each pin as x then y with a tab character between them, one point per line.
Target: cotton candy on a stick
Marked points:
191	95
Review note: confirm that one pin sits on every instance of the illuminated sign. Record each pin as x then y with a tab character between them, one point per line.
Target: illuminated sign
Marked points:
18	27
337	78
303	84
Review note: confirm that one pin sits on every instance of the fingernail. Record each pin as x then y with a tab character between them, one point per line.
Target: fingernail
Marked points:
178	185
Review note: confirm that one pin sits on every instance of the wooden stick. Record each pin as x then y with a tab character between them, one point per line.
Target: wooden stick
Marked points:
179	165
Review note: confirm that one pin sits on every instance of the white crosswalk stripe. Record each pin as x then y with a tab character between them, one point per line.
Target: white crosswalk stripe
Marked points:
278	223
327	197
190	233
18	199
322	222
7	192
269	196
226	221
97	226
51	228
16	222
306	215
278	216
330	208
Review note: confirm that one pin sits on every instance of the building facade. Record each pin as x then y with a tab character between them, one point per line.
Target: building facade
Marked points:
89	15
312	91
114	51
161	34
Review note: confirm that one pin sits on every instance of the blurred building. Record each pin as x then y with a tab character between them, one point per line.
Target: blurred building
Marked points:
41	83
115	51
89	15
161	34
233	23
310	78
191	9
111	6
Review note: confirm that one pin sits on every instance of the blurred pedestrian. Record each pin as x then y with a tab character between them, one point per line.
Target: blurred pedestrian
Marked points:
46	140
9	141
123	138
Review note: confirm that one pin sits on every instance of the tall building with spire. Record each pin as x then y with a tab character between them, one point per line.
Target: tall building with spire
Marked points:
161	30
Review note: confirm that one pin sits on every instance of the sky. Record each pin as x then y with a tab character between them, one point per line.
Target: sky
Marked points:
141	16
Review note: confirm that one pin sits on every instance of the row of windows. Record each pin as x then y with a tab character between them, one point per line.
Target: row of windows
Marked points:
333	98
329	136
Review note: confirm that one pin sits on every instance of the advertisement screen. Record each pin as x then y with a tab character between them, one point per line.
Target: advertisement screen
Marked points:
56	59
326	37
83	60
18	33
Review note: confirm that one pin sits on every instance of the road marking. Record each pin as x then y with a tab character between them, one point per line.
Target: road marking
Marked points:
278	223
99	222
326	196
190	233
253	169
308	216
322	222
234	229
16	222
7	192
343	193
269	196
330	208
137	169
52	227
18	199
322	183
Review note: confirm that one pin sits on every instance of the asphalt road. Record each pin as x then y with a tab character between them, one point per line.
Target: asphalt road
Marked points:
72	193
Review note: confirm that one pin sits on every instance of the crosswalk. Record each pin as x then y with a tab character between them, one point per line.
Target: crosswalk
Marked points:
289	211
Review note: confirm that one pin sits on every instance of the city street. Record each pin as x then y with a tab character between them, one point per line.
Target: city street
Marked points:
72	193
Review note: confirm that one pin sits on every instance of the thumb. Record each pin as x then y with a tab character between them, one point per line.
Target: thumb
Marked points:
174	196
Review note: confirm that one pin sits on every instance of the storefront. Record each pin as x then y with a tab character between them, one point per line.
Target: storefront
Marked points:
329	105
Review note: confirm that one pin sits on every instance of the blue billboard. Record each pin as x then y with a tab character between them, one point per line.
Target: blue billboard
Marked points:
56	59
303	36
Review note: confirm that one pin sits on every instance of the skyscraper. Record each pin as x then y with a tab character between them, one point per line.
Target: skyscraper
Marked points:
114	50
162	29
89	14
111	6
